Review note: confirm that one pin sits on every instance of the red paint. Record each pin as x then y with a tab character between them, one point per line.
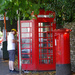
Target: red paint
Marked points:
39	59
63	46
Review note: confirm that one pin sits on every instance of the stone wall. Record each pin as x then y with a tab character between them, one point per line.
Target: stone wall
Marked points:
72	43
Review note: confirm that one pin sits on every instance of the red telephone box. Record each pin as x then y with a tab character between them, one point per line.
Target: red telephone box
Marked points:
37	42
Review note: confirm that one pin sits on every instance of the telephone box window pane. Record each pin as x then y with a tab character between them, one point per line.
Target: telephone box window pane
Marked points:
41	61
39	51
51	45
48	50
26	35
43	45
45	61
44	24
48	34
41	40
41	30
30	34
51	28
24	24
48	44
42	35
25	61
26	40
25	30
44	29
51	51
41	56
25	56
30	24
47	23
40	24
51	40
44	50
26	45
23	40
45	55
49	61
47	29
25	50
51	24
51	34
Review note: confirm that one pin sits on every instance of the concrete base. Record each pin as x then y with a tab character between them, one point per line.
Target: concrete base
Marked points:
63	69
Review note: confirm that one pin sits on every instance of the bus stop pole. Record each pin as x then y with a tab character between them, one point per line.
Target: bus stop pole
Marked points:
4	21
4	29
19	43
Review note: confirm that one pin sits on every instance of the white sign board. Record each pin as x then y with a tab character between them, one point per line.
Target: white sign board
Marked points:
2	17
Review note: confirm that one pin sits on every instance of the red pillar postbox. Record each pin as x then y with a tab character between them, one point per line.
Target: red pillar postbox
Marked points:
62	44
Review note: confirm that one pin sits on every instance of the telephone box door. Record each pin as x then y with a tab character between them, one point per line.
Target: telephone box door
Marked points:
46	52
27	45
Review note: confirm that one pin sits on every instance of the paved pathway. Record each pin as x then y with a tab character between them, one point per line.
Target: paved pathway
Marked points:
4	70
3	67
